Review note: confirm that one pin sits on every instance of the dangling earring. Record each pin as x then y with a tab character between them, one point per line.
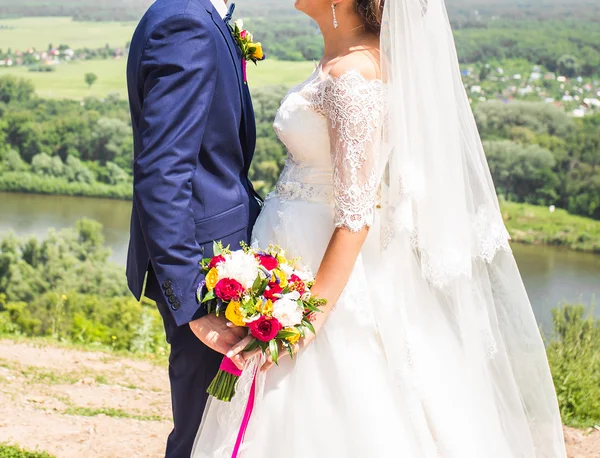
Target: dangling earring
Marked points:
335	21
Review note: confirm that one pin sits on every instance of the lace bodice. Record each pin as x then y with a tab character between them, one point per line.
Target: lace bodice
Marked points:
332	127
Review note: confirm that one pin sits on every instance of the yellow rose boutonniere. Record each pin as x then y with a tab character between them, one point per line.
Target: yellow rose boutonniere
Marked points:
251	51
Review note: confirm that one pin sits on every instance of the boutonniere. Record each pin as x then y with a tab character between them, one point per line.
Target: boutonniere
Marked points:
251	51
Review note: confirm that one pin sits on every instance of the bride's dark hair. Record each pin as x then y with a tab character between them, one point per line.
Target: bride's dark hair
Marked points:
371	12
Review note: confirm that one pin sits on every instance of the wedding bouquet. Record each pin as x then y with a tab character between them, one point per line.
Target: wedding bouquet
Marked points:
263	291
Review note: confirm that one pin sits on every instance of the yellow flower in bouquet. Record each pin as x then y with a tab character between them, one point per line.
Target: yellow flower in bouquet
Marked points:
212	278
283	282
295	338
258	52
267	308
234	313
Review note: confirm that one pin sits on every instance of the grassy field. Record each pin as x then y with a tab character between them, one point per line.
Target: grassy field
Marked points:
37	33
68	79
537	225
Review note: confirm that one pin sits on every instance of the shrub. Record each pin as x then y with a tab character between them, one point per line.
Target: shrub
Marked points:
574	357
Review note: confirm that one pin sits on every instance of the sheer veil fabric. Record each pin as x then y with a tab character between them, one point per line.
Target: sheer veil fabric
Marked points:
433	350
443	251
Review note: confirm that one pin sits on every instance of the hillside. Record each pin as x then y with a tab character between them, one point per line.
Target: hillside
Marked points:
74	403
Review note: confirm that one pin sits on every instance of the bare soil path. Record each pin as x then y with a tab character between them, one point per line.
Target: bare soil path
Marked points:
74	403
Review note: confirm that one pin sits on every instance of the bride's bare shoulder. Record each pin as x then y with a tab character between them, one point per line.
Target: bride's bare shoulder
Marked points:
364	60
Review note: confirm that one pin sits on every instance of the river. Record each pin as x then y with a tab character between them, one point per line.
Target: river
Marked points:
551	275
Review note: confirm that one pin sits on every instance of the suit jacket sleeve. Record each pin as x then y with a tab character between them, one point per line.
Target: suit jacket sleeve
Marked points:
178	73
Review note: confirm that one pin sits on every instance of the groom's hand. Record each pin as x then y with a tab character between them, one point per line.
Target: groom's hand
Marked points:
214	332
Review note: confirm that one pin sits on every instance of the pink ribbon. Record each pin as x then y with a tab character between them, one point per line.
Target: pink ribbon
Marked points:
228	366
245	419
244	65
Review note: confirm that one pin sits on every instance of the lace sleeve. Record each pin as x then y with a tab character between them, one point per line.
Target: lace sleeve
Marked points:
353	106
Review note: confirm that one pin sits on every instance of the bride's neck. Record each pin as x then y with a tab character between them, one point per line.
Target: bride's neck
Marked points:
339	41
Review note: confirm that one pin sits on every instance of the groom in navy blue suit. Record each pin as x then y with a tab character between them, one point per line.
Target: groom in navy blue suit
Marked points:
194	137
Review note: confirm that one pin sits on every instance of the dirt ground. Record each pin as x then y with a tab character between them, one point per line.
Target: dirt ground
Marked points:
74	403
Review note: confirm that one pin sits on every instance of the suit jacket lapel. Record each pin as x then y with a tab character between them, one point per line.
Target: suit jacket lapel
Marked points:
235	53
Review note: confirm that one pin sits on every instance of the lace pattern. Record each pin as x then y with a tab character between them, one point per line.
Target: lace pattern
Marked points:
488	233
296	183
353	108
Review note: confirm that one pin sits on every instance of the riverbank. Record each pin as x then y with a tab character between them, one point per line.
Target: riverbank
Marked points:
27	182
73	402
527	224
537	225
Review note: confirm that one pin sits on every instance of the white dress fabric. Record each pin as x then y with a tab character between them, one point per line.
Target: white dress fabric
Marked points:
338	398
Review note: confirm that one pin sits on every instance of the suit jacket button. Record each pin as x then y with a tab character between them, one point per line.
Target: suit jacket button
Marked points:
172	299
175	306
169	291
167	284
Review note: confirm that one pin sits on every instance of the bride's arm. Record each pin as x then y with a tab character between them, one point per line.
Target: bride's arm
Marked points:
335	270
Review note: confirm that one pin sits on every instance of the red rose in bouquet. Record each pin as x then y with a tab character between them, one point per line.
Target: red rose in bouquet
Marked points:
272	290
265	329
228	289
214	262
267	261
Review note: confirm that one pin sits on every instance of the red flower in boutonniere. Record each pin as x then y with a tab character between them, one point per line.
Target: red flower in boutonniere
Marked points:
251	51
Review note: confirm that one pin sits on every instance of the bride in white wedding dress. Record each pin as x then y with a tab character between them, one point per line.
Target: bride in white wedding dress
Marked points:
428	347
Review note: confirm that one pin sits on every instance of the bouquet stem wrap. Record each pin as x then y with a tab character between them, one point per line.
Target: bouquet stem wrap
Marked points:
223	385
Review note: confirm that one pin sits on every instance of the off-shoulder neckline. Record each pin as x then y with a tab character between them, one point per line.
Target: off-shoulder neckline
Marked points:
323	76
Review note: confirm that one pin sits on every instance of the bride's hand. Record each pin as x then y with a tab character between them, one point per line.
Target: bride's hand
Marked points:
239	348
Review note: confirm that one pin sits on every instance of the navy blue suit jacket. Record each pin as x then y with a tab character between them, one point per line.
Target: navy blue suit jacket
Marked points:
194	137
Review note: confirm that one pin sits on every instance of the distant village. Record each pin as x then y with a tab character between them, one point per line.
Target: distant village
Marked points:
57	55
577	95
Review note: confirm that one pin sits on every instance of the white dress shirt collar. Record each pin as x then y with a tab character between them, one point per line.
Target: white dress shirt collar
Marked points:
220	6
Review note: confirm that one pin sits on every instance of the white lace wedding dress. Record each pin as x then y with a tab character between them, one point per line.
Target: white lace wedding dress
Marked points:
338	398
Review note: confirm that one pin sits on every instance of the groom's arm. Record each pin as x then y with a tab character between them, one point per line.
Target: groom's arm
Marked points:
178	69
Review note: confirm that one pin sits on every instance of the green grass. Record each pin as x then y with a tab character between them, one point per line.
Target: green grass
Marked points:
110	412
111	355
36	32
12	451
40	375
68	79
273	72
536	225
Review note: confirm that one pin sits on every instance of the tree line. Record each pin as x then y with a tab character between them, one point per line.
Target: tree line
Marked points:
544	32
64	287
63	146
537	153
460	10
